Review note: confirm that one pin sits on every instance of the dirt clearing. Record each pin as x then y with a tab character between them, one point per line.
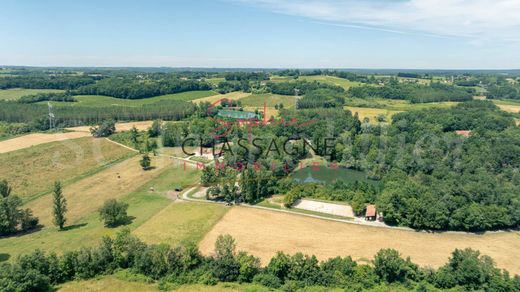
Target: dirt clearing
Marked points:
322	207
263	233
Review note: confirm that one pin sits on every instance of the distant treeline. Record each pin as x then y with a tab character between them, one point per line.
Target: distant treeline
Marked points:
14	112
415	93
135	89
45	82
59	96
240	76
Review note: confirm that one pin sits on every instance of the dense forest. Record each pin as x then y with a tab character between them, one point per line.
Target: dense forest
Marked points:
45	82
413	92
134	88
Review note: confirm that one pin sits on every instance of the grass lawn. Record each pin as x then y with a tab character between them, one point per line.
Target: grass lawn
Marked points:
101	100
87	230
32	171
181	222
16	93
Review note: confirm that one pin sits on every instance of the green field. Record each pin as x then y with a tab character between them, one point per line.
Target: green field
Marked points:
32	171
181	222
346	84
88	230
257	100
215	81
16	93
396	104
101	100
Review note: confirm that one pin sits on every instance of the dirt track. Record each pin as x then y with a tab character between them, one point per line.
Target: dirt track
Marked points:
262	233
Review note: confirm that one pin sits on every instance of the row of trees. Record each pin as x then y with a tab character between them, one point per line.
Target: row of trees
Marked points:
37	114
57	96
183	264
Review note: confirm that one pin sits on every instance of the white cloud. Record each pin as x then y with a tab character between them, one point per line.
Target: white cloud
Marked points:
477	20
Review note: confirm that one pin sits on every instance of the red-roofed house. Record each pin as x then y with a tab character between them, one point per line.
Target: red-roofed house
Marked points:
371	214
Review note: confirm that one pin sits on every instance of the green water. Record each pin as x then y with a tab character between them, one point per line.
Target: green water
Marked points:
326	175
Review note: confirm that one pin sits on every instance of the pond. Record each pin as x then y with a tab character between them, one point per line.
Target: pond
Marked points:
323	174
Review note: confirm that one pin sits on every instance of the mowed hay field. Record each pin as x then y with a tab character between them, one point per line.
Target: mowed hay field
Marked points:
257	100
32	171
88	230
217	97
141	126
102	100
29	140
263	233
87	195
16	93
372	113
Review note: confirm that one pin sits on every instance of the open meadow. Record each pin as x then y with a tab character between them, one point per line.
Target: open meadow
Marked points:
16	93
263	233
34	139
346	84
83	227
32	171
101	100
235	95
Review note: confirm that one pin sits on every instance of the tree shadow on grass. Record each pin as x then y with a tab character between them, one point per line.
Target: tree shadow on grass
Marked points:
4	257
72	227
128	220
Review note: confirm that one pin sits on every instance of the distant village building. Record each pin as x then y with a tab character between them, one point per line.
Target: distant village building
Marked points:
465	133
371	214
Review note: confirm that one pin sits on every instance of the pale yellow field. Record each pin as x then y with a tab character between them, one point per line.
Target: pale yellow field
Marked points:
372	113
141	126
263	233
509	108
215	98
37	139
32	171
87	195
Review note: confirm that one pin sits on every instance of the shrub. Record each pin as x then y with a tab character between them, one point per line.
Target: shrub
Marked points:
113	213
106	129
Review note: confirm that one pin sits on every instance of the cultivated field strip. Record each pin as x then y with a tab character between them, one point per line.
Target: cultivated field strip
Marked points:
263	233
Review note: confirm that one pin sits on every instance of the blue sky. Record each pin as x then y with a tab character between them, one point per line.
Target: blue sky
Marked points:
429	34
